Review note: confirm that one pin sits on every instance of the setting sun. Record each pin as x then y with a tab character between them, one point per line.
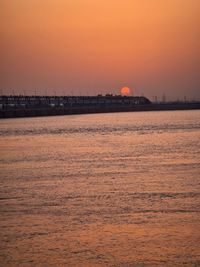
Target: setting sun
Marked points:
125	91
99	123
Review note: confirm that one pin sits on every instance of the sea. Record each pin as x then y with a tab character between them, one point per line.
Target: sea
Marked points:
115	189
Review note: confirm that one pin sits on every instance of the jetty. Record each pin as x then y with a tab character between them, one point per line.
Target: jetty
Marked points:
12	106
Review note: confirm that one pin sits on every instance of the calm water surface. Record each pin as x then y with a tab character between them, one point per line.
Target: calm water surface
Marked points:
119	189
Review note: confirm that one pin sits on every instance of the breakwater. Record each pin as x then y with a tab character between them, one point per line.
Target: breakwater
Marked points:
31	106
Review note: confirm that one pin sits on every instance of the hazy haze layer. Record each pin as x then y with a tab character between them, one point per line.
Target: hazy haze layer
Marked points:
87	46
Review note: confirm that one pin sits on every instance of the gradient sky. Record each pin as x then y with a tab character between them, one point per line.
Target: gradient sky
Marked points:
98	46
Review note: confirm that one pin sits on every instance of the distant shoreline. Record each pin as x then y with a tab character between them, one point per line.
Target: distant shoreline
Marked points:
55	111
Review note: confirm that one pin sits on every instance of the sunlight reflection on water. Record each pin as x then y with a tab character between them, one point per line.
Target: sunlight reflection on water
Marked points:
117	189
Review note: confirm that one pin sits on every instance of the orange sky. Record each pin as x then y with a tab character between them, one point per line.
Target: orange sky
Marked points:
98	46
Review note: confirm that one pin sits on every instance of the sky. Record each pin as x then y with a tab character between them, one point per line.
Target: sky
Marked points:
87	47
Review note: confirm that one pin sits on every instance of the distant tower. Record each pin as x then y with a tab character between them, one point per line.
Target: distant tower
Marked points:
163	98
155	98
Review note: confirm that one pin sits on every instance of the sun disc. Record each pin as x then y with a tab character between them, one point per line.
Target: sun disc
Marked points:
125	90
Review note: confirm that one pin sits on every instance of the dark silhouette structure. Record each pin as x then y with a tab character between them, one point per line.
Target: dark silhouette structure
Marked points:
29	106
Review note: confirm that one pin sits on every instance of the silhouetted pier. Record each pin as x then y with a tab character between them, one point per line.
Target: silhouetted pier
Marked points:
30	106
